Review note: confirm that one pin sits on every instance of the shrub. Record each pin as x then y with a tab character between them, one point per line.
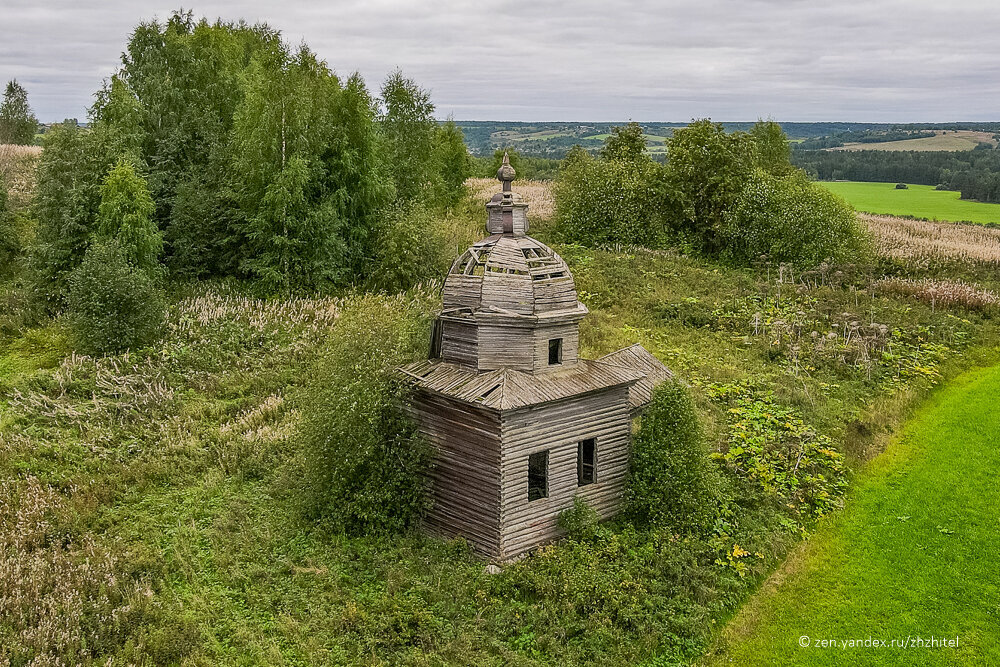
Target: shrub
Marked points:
707	169
411	250
672	482
771	449
113	305
580	521
607	201
365	462
793	220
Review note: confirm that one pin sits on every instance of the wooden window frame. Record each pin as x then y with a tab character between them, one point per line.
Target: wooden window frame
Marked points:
558	349
543	492
581	477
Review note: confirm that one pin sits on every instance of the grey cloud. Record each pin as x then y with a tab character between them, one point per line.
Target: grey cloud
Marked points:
877	60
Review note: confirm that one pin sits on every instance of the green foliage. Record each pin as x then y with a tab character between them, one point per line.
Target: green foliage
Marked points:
66	202
10	243
112	304
773	151
791	219
626	143
773	450
453	160
673	483
409	132
412	249
580	522
125	216
608	201
705	174
365	461
18	124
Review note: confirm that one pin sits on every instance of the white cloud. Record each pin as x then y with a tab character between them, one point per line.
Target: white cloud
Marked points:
877	60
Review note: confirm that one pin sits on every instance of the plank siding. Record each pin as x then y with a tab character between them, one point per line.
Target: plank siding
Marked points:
506	347
459	342
464	475
558	427
570	334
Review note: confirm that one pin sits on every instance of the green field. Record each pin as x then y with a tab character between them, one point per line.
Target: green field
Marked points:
921	201
913	554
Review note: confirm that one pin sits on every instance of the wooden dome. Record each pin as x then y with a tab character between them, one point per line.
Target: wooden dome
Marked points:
510	273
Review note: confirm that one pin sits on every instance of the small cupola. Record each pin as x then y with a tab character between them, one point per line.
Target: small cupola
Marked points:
508	212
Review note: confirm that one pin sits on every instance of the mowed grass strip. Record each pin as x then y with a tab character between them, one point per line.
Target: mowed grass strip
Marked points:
921	201
913	554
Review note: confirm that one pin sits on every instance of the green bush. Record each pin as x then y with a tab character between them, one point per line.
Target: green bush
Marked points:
113	306
365	463
608	201
791	219
412	249
580	521
673	483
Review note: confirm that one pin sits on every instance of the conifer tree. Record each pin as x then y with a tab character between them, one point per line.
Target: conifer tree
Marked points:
65	205
126	216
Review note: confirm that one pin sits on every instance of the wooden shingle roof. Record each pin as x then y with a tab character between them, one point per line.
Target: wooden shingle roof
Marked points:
508	389
640	360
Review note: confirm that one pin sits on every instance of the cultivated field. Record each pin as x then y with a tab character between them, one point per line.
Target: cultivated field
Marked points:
920	201
538	194
926	242
17	171
945	140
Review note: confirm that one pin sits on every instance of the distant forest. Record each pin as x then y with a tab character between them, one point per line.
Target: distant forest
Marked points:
976	174
554	139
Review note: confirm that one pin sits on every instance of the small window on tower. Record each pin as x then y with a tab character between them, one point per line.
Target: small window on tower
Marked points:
586	451
538	475
555	351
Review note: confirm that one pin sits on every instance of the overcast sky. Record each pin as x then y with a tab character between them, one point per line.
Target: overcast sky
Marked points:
793	60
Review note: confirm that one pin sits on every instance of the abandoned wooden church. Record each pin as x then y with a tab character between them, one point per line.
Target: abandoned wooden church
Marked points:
520	424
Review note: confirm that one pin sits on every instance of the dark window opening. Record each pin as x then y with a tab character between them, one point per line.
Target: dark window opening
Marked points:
538	475
586	452
555	351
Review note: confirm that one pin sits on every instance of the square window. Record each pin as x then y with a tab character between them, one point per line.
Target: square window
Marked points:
586	454
555	351
538	475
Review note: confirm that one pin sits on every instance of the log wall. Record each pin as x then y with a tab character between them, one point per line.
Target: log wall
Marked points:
558	427
459	342
465	480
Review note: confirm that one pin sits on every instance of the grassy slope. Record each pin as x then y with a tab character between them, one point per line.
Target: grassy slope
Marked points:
921	201
913	553
194	487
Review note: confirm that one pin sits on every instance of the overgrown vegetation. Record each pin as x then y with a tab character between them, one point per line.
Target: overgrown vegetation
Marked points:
721	194
205	475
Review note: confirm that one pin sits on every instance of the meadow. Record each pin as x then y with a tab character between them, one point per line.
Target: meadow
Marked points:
911	555
919	201
159	488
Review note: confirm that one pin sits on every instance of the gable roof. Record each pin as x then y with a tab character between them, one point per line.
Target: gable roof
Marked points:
508	389
640	360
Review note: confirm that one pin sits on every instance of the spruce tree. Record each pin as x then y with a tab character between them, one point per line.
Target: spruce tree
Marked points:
126	216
